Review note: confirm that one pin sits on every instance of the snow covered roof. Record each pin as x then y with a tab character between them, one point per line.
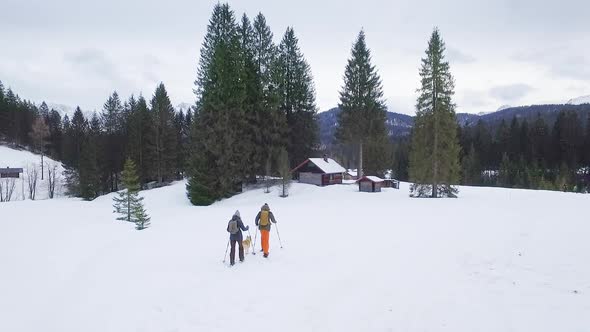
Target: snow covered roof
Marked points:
328	166
371	178
352	172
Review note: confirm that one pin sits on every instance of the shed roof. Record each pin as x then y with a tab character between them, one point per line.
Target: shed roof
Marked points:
371	178
11	170
328	166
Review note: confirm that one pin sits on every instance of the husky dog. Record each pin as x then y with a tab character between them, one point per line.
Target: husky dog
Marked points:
246	243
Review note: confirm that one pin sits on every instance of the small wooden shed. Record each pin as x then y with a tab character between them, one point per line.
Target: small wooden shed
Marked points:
351	174
370	184
10	172
391	183
319	171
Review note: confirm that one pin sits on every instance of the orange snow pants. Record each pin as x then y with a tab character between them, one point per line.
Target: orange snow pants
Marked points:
264	236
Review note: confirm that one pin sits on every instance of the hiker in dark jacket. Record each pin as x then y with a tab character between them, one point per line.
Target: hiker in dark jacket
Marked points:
263	221
235	227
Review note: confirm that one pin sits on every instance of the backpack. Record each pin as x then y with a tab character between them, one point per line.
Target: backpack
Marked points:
233	226
264	218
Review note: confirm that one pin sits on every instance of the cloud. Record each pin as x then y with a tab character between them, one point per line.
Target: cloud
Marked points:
560	61
456	56
511	92
94	62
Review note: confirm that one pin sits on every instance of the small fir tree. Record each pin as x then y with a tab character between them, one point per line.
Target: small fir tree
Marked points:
128	203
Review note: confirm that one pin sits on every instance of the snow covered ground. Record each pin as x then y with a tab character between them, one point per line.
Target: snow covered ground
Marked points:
491	260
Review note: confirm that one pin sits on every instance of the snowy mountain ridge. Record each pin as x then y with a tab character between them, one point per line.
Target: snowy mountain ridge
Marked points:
579	100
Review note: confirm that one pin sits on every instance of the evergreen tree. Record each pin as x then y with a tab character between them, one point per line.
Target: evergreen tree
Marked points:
113	124
165	139
504	174
216	154
434	158
89	182
141	135
471	168
55	135
128	203
284	172
296	99
39	135
253	130
567	139
363	116
514	140
271	118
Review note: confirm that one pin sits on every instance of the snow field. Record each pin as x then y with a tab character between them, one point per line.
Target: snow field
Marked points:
492	260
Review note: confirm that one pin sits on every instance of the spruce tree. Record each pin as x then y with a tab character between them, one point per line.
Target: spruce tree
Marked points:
113	125
253	131
272	119
128	203
434	159
296	95
284	172
471	168
217	161
363	116
165	139
141	136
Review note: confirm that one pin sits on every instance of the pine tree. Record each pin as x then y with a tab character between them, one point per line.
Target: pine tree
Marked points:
217	161
471	168
434	159
363	116
141	135
89	182
296	94
112	121
128	203
165	138
55	134
504	174
254	130
39	135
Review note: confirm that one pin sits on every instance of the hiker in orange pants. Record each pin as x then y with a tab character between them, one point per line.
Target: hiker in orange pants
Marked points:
263	220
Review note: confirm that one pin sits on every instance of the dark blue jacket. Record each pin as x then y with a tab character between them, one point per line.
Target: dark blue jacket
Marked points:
238	236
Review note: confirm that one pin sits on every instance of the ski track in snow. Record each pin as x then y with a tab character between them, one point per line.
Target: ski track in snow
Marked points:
492	260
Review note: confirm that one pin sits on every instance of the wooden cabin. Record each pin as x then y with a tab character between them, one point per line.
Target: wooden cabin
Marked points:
319	171
370	184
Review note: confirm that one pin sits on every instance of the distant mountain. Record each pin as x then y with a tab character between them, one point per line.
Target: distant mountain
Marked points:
400	125
579	100
183	107
68	110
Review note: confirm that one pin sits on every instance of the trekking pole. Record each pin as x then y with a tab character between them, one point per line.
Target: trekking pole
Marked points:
278	235
227	247
252	244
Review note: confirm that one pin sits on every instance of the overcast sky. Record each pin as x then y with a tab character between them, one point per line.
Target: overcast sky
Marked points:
503	52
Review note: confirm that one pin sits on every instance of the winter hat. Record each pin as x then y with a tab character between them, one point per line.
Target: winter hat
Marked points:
237	214
265	207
